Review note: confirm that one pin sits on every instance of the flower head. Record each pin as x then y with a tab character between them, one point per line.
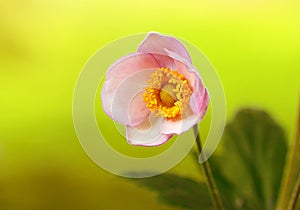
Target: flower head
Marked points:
155	92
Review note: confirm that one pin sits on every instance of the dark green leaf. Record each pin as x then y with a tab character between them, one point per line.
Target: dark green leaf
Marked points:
179	191
249	169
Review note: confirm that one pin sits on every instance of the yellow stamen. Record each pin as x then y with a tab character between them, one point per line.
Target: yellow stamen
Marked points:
168	93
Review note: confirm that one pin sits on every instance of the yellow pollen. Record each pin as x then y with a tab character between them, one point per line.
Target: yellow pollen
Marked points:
168	93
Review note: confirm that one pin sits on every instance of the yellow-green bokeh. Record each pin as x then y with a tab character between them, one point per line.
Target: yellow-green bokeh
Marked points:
254	46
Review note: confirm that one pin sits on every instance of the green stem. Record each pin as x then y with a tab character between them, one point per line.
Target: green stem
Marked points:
295	196
210	180
291	170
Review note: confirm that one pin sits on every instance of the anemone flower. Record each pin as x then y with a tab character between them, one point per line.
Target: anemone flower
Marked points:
155	92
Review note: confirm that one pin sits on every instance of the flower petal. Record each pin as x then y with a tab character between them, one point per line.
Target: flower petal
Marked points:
122	91
137	110
200	98
164	60
127	104
147	133
180	124
156	43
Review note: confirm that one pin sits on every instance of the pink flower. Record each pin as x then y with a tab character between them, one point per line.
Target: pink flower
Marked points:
155	92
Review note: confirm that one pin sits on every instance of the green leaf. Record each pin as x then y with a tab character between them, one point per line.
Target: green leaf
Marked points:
249	169
179	191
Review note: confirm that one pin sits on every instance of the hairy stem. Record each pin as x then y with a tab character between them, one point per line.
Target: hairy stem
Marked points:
210	180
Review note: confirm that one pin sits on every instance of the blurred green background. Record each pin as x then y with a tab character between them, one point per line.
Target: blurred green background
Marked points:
254	46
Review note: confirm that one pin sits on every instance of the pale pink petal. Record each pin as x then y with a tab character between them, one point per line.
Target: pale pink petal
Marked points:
189	118
137	110
125	104
200	98
119	74
184	67
164	60
156	43
147	133
180	124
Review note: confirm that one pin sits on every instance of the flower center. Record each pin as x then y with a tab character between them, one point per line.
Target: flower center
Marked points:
168	93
